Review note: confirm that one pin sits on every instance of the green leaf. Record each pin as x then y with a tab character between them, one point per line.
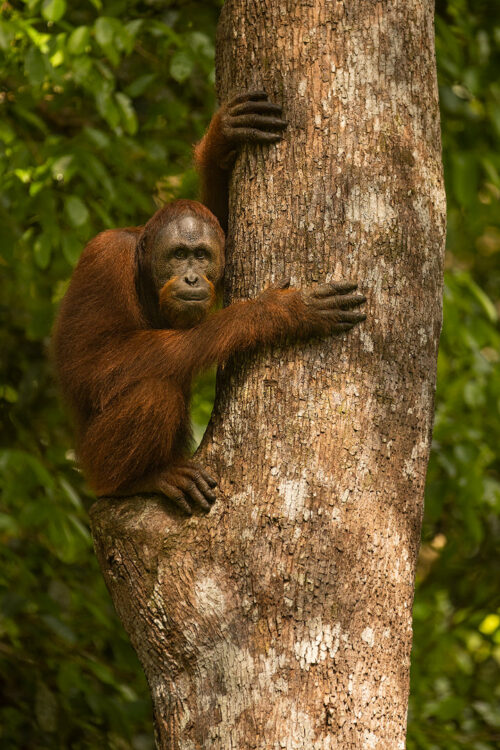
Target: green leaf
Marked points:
483	299
111	52
201	44
69	677
79	40
72	248
35	188
9	394
140	85
474	395
82	70
122	38
102	671
181	66
8	525
133	27
70	493
127	111
60	629
449	707
489	712
53	10
76	210
7	33
104	31
7	135
107	107
34	66
46	708
42	249
465	178
490	624
97	137
31	118
62	167
81	530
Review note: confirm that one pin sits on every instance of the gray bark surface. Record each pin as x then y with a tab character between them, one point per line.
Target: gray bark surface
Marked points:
282	620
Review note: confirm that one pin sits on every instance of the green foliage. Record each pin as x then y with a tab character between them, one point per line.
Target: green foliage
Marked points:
101	101
455	688
467	45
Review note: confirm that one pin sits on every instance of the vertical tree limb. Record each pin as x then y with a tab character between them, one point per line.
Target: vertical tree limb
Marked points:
283	618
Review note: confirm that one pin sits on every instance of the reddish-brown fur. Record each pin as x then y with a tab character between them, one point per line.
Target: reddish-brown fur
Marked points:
128	384
127	379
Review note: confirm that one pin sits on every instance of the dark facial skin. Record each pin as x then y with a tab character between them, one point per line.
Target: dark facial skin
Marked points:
186	264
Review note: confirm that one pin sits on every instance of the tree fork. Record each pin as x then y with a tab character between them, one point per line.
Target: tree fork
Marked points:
283	618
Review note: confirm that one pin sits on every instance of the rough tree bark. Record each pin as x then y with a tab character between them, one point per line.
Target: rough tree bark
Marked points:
283	618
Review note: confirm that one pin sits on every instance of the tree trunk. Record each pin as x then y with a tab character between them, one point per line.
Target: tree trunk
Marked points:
283	618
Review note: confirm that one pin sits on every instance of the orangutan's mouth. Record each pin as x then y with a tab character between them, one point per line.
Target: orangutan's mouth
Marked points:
193	295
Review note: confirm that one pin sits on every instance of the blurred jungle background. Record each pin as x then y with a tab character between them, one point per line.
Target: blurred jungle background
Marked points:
100	102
